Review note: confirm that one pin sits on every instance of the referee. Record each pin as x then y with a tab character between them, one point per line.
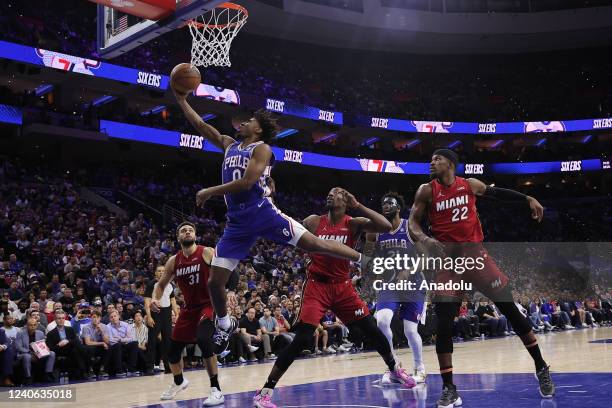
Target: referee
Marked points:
159	322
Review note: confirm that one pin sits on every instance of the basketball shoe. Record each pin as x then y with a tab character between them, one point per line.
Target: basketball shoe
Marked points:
398	376
221	337
547	387
216	398
174	389
450	397
263	399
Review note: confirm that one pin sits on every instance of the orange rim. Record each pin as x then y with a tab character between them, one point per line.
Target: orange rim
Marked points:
226	5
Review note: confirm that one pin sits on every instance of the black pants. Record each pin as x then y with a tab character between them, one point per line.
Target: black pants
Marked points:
119	351
163	325
76	356
99	351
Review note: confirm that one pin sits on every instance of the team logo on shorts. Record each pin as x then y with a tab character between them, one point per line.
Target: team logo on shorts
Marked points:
359	312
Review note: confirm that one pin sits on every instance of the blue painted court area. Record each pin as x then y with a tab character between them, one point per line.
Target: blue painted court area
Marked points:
477	390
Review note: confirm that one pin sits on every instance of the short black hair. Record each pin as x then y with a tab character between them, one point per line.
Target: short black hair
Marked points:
267	123
397	196
182	224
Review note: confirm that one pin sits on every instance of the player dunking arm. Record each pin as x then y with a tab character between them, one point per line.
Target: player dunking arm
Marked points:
328	286
409	303
450	203
190	269
251	214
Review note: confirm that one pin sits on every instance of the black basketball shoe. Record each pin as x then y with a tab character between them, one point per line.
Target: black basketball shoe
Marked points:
547	387
221	337
449	398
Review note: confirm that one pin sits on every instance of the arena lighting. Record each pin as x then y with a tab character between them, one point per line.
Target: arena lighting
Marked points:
413	143
540	142
327	138
153	111
43	89
103	100
454	144
497	144
370	141
587	138
208	116
284	133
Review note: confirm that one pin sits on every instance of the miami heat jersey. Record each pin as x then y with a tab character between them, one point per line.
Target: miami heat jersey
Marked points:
453	215
327	266
191	276
233	168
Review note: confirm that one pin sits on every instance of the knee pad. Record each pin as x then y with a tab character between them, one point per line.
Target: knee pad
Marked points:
519	322
175	351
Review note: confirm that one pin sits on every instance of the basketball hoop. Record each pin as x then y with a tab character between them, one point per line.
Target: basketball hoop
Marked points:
212	34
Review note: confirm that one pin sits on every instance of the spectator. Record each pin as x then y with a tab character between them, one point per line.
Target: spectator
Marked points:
142	334
53	324
35	307
7	357
122	343
62	340
283	325
488	316
269	327
333	327
96	341
251	333
9	328
26	355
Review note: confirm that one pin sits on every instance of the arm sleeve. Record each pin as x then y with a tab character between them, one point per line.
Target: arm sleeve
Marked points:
504	194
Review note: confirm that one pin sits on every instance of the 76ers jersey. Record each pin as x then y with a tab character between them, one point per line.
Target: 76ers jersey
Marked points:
191	276
234	165
327	266
453	215
389	245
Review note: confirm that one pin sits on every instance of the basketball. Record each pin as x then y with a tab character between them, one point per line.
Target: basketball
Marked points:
185	78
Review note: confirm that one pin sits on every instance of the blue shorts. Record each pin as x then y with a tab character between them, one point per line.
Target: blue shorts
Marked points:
243	227
411	311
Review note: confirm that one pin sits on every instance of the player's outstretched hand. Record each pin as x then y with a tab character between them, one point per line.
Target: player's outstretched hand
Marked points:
351	201
202	196
537	211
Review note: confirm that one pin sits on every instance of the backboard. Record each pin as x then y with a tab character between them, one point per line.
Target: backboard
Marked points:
119	32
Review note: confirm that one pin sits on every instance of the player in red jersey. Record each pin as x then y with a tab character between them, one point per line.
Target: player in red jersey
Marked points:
190	269
450	203
328	286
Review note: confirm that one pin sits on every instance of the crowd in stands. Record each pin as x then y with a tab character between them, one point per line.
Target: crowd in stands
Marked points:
568	84
75	277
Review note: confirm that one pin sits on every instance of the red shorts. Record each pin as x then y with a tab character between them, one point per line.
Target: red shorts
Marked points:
340	297
487	280
186	325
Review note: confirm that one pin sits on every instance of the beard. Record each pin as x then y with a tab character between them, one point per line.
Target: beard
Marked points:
390	215
186	243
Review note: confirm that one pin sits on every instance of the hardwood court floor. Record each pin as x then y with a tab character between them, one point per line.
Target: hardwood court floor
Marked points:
577	351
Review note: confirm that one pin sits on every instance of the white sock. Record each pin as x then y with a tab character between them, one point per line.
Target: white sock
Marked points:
266	391
415	342
224	322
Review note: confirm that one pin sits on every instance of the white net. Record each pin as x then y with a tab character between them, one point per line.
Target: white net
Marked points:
212	34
